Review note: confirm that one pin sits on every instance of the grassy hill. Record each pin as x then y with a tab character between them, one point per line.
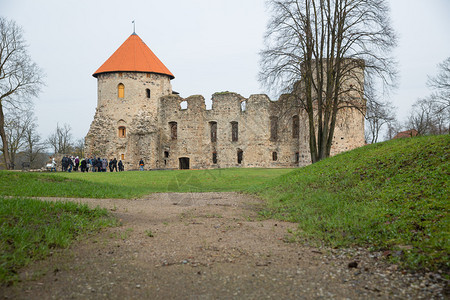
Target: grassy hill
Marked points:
391	196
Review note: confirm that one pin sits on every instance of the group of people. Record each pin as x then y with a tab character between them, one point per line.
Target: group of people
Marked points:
69	163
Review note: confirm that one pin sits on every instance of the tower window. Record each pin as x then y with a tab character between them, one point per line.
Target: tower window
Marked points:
234	132
147	92
295	127
122	132
166	154
214	157
173	130
121	90
213	127
273	128
297	157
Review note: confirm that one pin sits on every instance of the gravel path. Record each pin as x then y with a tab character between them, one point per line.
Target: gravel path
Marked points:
210	246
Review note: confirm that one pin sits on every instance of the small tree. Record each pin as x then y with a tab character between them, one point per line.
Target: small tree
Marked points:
33	147
428	116
61	140
20	78
378	115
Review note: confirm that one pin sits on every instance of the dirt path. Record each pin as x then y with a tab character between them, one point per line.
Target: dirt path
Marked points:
209	246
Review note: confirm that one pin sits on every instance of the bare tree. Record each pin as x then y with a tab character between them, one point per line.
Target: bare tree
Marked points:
20	78
78	148
378	115
393	128
441	84
61	140
331	52
17	122
429	117
33	148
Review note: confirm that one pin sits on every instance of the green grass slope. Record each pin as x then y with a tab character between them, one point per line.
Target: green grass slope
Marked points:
391	196
131	184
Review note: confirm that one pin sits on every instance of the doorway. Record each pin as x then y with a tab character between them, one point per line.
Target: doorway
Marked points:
184	163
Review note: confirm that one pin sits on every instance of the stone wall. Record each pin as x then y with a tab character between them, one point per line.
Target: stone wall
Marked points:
266	135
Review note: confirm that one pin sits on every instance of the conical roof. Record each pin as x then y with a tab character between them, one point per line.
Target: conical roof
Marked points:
134	56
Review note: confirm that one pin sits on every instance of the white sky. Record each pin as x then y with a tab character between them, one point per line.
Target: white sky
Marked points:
210	46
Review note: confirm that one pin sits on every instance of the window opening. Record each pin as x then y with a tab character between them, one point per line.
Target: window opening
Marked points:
166	154
273	128
214	157
147	92
234	132
240	156
122	156
122	132
297	157
295	127
243	106
173	130
121	90
274	156
213	129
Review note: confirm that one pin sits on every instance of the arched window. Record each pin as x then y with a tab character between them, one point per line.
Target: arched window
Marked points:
121	90
122	132
147	92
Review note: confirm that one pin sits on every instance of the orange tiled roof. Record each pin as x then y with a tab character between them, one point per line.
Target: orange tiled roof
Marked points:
134	56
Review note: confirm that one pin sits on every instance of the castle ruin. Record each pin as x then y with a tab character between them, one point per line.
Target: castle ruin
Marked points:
139	116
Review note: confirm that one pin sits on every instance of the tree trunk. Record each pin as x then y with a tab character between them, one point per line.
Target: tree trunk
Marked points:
4	139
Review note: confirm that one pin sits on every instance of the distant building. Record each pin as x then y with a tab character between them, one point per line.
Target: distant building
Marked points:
406	134
139	116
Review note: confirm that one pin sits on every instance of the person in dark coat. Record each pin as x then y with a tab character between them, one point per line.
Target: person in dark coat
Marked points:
114	164
120	166
83	165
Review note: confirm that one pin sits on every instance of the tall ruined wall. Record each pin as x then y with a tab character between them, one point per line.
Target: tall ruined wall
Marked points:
253	118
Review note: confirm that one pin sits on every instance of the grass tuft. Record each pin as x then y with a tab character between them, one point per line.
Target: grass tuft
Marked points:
30	229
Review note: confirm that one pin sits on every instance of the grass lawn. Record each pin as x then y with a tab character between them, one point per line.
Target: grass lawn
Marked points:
131	184
391	196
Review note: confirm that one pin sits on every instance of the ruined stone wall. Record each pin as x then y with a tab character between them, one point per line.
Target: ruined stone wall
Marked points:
267	135
253	118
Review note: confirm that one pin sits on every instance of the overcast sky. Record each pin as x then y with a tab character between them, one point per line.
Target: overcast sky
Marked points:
210	46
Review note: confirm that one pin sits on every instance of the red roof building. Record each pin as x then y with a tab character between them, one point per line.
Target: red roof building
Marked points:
406	134
134	56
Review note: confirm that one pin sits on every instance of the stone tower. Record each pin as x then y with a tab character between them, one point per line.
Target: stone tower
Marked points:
130	84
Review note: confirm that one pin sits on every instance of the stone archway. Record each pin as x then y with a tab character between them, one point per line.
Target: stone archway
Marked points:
184	163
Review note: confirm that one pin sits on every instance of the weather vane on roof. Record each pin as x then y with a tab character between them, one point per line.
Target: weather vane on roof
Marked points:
134	27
